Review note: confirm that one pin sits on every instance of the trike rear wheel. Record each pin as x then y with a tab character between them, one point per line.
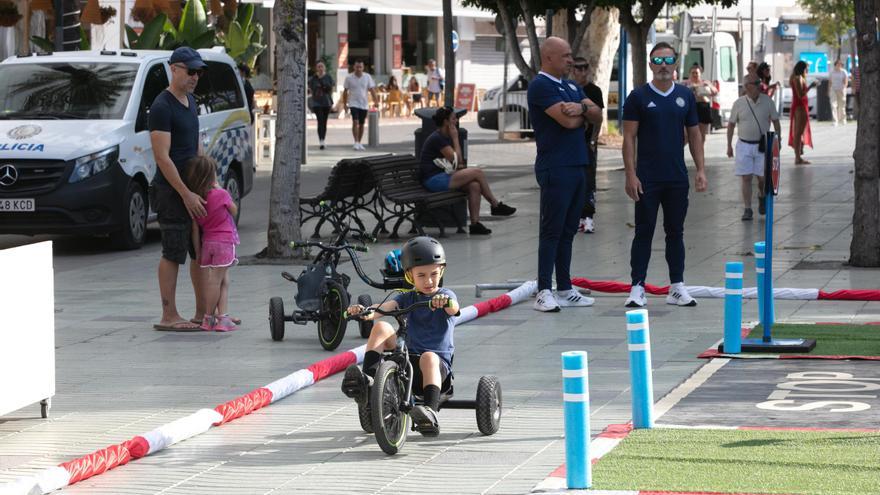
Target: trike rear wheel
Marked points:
390	423
488	405
331	326
276	318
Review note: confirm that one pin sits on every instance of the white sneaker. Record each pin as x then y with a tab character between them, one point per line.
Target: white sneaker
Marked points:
546	302
361	147
678	296
636	297
589	225
582	225
573	297
356	147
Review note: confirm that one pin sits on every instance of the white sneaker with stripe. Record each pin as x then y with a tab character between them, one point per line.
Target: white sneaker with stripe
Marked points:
636	297
573	297
545	302
678	296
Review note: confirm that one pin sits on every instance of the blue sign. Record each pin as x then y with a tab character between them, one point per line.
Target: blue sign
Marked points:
807	32
787	31
818	61
454	41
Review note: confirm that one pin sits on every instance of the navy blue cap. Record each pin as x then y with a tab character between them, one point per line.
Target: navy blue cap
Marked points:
187	56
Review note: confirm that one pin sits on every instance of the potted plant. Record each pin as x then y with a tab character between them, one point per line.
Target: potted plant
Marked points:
106	13
9	14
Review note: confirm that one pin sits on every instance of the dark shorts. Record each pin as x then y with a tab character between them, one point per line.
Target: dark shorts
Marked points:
438	182
174	223
417	97
704	112
433	96
359	115
445	374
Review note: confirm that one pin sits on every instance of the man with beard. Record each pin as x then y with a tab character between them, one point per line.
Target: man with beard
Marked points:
654	116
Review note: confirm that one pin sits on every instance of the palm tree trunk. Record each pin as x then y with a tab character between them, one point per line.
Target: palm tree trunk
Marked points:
290	52
865	247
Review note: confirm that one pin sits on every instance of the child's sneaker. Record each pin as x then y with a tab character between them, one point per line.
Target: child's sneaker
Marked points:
678	296
636	297
425	421
589	225
223	323
573	297
545	302
356	384
207	323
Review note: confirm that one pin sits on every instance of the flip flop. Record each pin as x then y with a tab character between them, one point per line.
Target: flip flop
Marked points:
235	320
178	326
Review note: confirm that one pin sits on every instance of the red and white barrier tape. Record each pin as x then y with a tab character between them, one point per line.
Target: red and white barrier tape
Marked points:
748	292
105	459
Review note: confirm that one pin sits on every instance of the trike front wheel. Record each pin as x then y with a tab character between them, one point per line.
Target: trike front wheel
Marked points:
331	326
390	423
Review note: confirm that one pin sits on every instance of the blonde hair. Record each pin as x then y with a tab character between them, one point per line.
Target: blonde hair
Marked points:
201	175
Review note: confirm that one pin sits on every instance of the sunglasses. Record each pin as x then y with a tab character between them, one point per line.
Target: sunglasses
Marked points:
581	67
190	72
670	60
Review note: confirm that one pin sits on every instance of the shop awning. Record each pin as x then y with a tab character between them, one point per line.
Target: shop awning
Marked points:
425	8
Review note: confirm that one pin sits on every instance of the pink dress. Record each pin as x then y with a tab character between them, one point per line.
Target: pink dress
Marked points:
219	234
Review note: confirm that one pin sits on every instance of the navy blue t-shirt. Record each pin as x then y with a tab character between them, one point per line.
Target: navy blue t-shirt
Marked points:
662	119
557	146
169	115
430	151
428	330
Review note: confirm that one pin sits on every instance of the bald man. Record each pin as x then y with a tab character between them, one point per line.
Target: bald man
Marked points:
558	111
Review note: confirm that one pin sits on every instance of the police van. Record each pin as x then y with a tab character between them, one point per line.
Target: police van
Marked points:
75	152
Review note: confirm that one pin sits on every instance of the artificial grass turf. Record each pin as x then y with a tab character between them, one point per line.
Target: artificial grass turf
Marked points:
743	461
831	340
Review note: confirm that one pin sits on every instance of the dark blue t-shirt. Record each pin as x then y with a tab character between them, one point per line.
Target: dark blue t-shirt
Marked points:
430	151
662	120
428	330
557	146
169	115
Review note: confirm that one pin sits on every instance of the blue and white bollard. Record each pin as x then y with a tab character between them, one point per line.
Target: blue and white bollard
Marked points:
760	269
576	397
639	340
733	295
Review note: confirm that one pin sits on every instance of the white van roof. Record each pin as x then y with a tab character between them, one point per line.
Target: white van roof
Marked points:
217	53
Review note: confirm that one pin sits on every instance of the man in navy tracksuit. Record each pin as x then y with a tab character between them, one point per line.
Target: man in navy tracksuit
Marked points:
656	116
558	110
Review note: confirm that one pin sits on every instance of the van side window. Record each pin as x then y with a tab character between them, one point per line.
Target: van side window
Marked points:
155	81
694	56
218	89
727	71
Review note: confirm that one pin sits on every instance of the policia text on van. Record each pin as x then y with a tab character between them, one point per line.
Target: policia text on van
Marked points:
75	152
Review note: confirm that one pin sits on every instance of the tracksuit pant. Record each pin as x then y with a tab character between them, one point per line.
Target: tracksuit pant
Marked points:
590	206
673	198
563	193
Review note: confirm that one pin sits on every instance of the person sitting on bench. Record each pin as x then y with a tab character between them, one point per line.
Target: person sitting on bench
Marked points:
443	168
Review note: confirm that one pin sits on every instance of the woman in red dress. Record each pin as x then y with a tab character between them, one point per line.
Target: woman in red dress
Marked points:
799	133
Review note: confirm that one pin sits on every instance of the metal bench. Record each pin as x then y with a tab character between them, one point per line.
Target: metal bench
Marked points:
350	189
402	197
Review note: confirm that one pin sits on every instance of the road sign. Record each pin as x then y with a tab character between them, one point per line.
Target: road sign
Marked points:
455	41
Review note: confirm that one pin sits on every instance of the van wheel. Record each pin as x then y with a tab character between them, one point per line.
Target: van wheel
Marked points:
233	186
134	222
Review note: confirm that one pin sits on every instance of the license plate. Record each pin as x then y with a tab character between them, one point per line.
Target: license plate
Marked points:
20	204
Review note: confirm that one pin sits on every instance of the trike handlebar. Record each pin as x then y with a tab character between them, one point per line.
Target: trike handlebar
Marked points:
394	312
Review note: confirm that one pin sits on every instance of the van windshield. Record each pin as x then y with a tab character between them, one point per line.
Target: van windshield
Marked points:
66	90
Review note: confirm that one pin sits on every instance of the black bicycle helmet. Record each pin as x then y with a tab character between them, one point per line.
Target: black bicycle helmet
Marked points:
422	250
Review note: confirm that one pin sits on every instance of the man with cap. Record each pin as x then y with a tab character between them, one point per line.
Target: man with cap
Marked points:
174	135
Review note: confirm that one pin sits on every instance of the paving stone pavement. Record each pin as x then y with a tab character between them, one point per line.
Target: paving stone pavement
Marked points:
117	378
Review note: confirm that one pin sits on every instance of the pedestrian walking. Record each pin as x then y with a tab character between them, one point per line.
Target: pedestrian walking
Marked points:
436	82
443	168
839	80
357	85
799	133
321	87
558	111
653	156
582	75
214	237
767	87
704	91
753	113
174	136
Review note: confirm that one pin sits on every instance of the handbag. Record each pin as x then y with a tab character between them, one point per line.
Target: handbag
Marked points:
446	165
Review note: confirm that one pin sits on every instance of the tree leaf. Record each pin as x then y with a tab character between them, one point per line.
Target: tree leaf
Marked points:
205	40
149	38
193	22
132	36
43	43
